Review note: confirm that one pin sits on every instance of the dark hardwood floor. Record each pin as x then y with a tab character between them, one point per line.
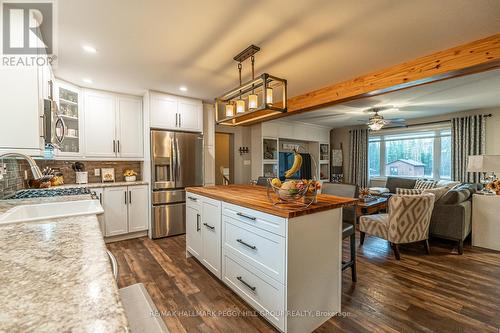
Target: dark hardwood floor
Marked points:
441	292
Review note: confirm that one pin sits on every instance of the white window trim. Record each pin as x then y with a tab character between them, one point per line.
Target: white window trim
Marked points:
436	158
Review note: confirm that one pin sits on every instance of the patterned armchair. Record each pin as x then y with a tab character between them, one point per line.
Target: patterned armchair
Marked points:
407	222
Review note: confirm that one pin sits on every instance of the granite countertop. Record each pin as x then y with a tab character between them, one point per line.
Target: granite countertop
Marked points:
255	197
55	276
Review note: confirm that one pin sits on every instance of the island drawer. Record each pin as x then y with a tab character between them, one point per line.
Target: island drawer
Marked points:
193	200
261	249
252	217
263	293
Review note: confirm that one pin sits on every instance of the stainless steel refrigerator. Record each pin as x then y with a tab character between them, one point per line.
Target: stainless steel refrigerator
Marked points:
176	163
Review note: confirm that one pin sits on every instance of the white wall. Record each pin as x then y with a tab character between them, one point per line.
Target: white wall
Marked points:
341	135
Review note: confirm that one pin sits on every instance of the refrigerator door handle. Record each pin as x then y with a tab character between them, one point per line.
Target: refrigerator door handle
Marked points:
178	157
173	161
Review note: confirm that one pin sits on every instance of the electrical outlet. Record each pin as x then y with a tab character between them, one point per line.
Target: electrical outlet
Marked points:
247	162
97	172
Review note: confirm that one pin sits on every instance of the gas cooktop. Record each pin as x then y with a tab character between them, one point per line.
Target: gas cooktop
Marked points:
43	193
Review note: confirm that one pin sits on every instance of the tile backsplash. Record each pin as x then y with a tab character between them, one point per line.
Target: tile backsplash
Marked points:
14	178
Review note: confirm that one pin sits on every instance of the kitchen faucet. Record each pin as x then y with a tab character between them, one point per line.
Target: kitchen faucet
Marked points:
37	174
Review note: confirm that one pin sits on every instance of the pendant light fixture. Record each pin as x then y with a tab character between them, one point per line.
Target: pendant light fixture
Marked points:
260	92
253	98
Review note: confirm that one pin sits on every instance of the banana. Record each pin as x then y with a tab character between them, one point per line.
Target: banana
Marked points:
297	163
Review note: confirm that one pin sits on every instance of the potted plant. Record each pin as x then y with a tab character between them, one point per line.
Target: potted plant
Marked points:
130	175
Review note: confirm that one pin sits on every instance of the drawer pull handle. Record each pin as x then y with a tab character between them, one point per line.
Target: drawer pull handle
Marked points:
198	228
209	226
246	216
192	199
253	247
245	283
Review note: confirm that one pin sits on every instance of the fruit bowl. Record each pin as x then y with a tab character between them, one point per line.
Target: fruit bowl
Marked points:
290	193
297	192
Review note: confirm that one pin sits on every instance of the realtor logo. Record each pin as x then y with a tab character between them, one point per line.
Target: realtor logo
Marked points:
27	28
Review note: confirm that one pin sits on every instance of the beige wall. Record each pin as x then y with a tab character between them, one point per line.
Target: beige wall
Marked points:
241	139
222	147
341	135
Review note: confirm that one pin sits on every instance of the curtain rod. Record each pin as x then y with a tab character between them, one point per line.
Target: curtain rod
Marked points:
429	123
439	122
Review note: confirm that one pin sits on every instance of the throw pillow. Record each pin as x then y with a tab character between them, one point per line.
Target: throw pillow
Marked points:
422	184
455	196
438	192
408	191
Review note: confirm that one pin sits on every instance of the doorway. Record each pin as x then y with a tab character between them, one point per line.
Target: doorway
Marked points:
224	158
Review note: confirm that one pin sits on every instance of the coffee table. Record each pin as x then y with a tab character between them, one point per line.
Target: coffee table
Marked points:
371	207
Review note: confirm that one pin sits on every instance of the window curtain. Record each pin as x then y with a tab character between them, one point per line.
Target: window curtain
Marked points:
468	137
358	157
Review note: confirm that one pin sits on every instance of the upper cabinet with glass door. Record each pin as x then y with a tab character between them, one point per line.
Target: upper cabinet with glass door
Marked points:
69	103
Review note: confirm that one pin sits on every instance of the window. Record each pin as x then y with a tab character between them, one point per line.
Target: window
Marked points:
423	153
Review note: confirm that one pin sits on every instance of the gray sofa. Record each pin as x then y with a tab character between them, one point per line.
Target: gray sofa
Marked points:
452	214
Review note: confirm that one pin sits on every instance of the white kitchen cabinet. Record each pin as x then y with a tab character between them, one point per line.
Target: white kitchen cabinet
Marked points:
203	231
163	111
100	196
175	113
22	108
212	231
125	209
100	124
194	240
130	127
138	208
190	115
69	100
113	125
115	210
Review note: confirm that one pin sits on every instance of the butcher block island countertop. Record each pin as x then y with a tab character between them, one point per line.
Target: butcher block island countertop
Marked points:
255	197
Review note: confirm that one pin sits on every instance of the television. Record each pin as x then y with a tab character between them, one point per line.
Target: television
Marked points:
285	163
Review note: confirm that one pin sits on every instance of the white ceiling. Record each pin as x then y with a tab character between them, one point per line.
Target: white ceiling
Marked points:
163	44
478	91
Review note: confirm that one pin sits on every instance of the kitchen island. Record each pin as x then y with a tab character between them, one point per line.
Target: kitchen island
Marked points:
284	261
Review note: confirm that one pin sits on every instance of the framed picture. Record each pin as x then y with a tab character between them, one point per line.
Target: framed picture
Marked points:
107	175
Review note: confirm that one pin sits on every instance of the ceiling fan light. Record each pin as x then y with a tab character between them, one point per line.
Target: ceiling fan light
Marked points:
252	101
376	126
269	96
240	106
229	110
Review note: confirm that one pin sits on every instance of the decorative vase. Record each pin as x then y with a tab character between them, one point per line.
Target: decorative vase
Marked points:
130	178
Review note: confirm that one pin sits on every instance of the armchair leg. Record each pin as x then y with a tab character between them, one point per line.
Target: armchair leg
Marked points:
427	247
460	247
361	238
395	248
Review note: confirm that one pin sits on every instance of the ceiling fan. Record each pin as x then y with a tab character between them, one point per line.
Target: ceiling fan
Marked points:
377	121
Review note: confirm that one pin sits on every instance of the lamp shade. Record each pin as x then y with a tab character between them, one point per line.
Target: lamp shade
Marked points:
483	163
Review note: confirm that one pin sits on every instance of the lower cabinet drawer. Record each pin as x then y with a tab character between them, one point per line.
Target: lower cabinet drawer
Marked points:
263	293
261	249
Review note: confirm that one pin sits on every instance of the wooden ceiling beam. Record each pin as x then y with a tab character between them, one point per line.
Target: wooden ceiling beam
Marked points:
474	57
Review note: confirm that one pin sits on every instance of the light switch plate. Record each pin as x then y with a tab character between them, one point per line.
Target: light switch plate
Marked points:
247	162
97	172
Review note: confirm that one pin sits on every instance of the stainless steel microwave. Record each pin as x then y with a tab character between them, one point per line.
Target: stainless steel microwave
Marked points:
54	128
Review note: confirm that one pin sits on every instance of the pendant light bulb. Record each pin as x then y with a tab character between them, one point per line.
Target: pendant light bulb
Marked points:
240	106
229	110
252	101
269	96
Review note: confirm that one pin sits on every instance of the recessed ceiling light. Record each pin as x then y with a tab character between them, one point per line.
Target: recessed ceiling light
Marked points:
183	88
89	49
86	80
